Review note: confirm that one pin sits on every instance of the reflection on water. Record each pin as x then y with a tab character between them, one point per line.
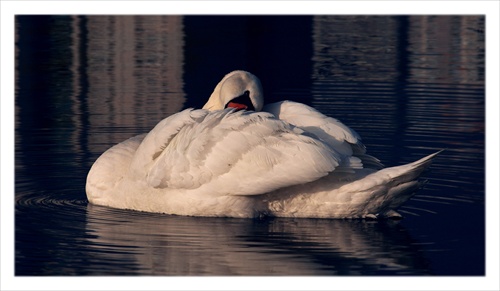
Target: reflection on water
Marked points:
116	50
409	85
100	239
159	244
416	49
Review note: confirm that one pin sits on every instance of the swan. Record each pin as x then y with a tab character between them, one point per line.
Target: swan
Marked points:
236	157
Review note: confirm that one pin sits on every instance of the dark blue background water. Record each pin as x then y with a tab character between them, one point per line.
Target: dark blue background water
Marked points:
408	85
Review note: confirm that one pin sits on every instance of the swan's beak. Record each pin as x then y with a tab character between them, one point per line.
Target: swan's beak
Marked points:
236	105
242	102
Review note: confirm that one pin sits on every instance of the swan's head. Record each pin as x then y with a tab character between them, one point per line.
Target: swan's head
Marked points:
238	89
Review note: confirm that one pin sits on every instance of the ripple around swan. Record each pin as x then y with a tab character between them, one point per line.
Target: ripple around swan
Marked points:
28	201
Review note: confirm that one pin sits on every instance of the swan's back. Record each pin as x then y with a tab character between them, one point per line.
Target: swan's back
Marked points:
234	153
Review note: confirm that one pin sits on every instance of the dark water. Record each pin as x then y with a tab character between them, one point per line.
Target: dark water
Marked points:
408	85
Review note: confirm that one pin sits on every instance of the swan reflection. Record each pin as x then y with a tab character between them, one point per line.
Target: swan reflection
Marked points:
139	243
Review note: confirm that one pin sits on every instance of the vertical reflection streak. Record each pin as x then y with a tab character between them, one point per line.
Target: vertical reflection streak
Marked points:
401	84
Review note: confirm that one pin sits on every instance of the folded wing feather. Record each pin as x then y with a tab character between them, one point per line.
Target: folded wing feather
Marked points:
340	138
237	153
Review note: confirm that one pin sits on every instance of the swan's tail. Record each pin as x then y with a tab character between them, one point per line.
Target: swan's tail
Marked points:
413	170
370	195
401	183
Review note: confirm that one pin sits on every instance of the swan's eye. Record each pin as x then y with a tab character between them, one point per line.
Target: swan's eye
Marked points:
241	102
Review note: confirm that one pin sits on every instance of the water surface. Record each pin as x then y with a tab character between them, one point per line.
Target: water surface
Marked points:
408	85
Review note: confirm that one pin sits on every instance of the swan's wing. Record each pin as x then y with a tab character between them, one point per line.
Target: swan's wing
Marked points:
331	131
157	140
233	153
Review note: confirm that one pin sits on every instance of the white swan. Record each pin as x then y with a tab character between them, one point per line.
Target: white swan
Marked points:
288	160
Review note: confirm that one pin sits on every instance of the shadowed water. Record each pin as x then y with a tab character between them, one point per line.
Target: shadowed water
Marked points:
408	85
